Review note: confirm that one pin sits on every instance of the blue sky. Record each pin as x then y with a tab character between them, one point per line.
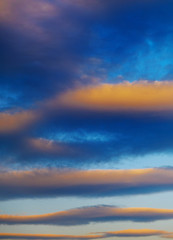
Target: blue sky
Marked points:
86	111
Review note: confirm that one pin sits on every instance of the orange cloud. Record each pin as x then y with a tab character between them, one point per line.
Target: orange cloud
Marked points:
47	183
123	233
136	96
168	236
135	233
88	215
45	236
11	122
124	97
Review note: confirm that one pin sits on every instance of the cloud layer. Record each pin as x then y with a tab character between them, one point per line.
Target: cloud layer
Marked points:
86	183
46	236
88	215
123	233
138	96
44	134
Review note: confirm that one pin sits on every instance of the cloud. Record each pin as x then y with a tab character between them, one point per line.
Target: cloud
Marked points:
137	96
168	236
36	134
140	96
17	121
136	233
39	59
83	183
123	233
45	148
18	150
88	215
46	236
13	11
126	97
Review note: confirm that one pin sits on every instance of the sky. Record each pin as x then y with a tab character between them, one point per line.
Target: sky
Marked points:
86	119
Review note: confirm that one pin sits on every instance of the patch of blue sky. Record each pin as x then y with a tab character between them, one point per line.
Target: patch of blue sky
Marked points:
54	204
81	136
127	57
8	99
150	61
164	159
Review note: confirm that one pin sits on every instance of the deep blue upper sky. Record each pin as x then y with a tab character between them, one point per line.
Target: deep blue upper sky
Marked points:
48	47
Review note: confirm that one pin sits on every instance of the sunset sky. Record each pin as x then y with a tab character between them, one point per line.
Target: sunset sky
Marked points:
86	119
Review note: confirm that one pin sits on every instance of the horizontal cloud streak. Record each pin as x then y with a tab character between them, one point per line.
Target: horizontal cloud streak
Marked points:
123	233
88	215
86	183
141	96
170	236
15	122
45	236
137	96
136	233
